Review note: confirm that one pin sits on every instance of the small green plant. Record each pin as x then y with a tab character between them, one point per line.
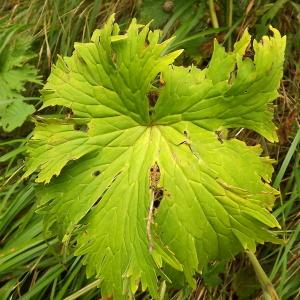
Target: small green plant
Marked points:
15	72
137	167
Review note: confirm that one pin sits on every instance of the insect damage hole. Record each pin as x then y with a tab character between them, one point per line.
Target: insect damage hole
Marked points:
157	194
96	173
81	127
152	97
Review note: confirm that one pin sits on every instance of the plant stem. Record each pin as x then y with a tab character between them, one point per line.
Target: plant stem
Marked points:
213	14
229	9
265	282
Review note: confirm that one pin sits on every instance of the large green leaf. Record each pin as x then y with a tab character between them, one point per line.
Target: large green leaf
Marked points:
15	114
147	184
15	72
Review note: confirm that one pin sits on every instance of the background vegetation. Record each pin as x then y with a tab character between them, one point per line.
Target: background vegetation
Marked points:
32	33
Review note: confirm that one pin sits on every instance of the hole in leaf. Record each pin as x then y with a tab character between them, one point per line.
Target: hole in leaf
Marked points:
152	97
158	192
68	113
219	136
96	173
156	203
154	176
158	196
81	127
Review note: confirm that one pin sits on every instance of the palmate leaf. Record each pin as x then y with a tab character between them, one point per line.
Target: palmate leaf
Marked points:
15	114
15	72
107	162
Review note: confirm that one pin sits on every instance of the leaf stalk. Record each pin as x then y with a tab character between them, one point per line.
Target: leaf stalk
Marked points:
213	14
265	282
